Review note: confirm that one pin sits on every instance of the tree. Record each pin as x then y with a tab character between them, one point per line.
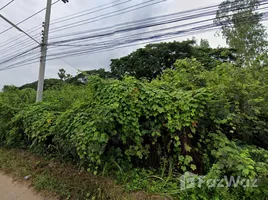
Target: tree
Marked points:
211	57
151	61
63	76
48	84
82	78
241	26
204	43
7	88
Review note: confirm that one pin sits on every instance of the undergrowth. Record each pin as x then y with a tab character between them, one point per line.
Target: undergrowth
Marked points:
147	135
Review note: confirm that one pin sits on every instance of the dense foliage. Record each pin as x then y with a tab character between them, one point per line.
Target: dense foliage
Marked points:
165	114
210	122
151	61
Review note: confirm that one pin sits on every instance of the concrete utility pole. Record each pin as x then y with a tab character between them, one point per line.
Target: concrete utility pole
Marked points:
40	88
41	78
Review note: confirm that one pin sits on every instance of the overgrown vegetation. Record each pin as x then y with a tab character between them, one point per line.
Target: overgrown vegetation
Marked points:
166	114
210	122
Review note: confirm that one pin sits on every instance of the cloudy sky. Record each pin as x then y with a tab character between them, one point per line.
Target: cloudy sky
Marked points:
21	9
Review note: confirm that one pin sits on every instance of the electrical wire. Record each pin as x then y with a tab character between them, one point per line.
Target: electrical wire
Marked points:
26	19
53	21
128	40
14	46
7	4
86	21
18	37
178	19
134	28
19	54
142	3
90	51
201	28
26	41
86	12
105	16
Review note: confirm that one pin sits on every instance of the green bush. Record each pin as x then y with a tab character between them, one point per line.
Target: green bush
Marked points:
209	122
12	101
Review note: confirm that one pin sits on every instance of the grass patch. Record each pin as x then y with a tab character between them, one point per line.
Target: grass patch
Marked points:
63	180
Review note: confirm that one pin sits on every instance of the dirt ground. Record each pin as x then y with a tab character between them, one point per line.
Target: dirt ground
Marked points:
10	190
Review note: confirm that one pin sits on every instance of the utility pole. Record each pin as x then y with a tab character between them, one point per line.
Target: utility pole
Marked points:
40	88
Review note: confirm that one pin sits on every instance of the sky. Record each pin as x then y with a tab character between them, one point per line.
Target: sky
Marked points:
21	9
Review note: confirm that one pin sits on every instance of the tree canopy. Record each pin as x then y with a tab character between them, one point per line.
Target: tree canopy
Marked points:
48	84
152	60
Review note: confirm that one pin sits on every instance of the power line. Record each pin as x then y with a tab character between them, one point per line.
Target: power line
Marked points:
150	25
13	39
208	7
69	64
16	38
20	65
118	43
28	62
105	16
152	4
86	12
132	25
25	41
130	40
28	18
132	28
3	25
14	54
86	21
92	51
7	4
19	29
17	46
20	54
177	19
56	20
